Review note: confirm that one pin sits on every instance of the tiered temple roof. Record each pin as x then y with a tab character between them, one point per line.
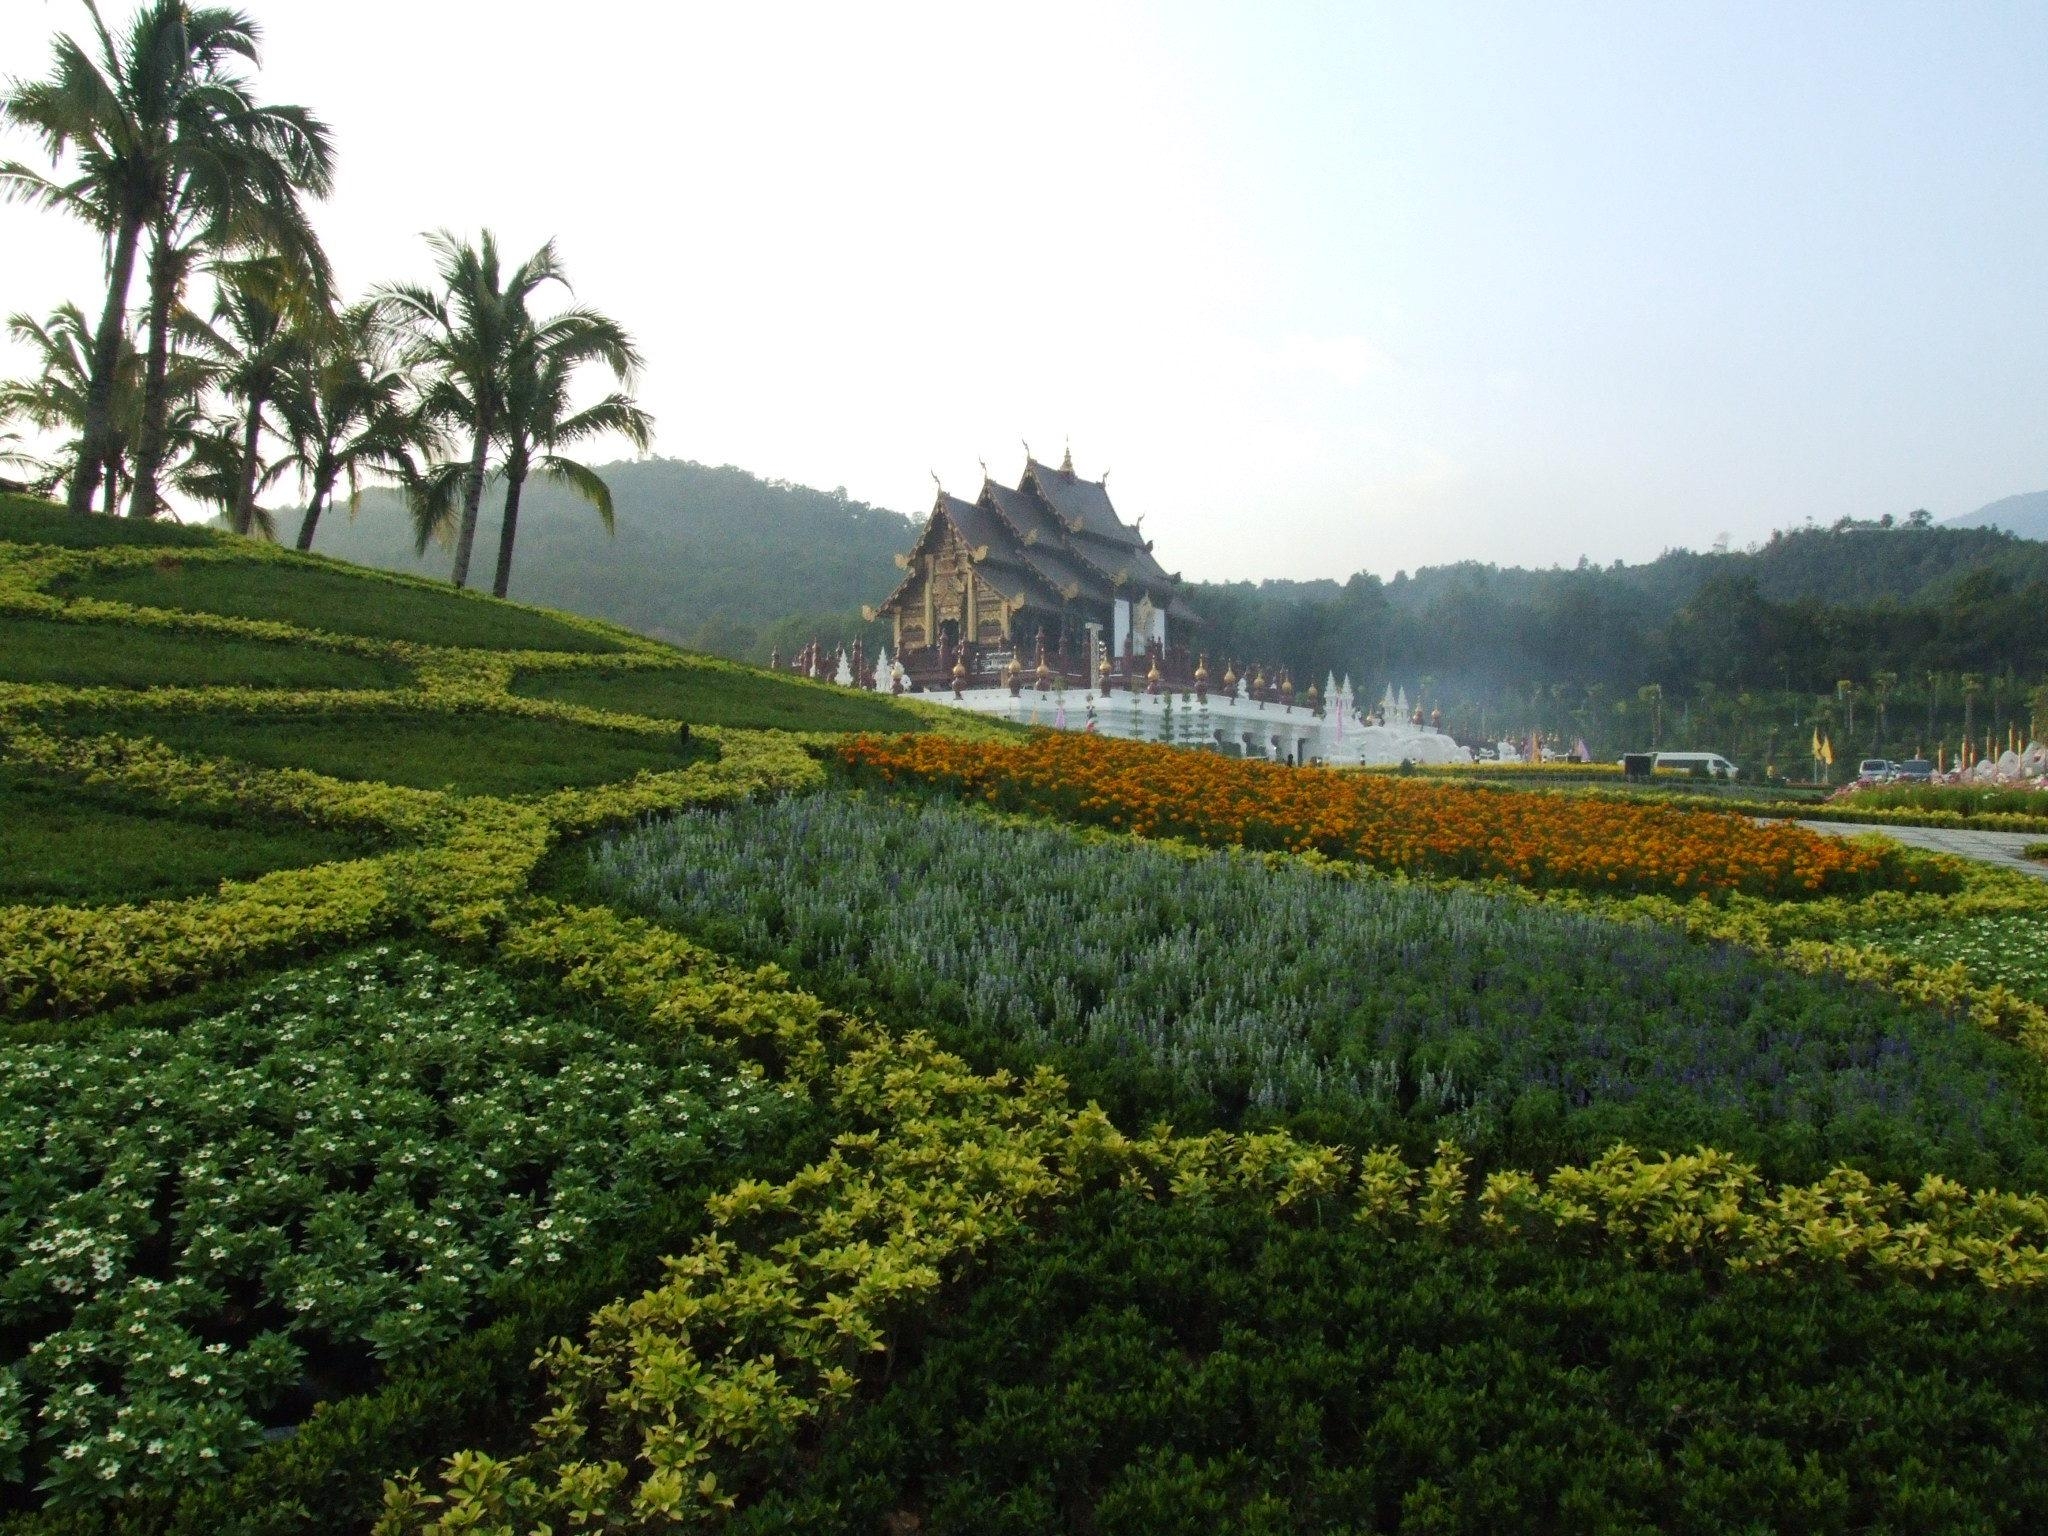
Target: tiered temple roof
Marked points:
1051	551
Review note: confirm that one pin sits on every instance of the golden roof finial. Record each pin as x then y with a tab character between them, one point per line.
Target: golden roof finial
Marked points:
1202	668
1067	463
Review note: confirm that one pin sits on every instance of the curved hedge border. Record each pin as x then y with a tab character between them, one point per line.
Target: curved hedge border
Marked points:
672	1402
471	856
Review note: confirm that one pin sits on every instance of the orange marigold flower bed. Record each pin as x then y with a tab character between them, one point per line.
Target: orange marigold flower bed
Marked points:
1389	823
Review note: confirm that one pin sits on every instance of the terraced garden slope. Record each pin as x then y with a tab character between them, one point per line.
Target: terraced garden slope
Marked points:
394	997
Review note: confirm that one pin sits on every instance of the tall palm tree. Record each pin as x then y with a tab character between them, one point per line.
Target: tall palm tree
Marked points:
461	338
160	137
348	410
265	322
211	472
539	421
55	400
239	206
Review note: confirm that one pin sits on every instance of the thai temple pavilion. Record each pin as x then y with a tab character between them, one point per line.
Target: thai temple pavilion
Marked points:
1044	579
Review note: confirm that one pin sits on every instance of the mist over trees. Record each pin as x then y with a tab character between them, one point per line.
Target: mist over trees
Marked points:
1743	643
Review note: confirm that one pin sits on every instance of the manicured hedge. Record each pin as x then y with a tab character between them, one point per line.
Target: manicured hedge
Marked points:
1150	1370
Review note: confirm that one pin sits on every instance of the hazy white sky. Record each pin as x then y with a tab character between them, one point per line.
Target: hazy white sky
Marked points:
1327	287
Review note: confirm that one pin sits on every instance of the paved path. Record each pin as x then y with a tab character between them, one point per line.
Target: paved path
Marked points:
2000	848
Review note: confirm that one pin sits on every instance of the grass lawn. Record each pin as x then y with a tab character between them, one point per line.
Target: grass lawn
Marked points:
63	843
714	695
99	655
340	601
471	753
28	520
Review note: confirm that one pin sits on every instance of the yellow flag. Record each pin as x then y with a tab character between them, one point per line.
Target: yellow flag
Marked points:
1827	751
1816	741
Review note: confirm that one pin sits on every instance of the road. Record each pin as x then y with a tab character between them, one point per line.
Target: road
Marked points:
2000	848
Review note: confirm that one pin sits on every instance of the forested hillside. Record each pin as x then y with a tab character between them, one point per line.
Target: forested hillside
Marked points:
708	557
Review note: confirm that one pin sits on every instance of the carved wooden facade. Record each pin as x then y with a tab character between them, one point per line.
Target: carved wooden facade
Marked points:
1019	575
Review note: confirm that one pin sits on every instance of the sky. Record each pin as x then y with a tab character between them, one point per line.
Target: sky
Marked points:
1323	287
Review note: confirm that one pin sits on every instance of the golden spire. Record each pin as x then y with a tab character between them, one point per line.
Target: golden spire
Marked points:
1202	668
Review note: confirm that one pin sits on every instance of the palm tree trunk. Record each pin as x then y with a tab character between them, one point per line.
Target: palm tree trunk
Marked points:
515	480
149	441
99	390
252	433
321	488
472	501
112	505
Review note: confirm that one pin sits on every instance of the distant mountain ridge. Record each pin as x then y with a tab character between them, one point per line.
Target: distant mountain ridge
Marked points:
2025	515
718	559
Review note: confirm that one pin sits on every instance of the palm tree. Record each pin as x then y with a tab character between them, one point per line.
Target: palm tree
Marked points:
55	401
239	206
1881	686
212	472
538	420
162	139
1652	694
462	338
265	323
346	407
1973	689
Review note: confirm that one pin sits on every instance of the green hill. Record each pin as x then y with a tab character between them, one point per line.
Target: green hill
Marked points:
229	651
705	557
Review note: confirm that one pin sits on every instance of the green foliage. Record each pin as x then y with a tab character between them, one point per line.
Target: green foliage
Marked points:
2000	948
470	753
64	842
342	1167
1964	800
88	655
1232	989
30	520
706	557
1142	1369
714	693
331	598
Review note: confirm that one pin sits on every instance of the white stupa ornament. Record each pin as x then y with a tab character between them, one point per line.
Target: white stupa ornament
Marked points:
882	669
843	673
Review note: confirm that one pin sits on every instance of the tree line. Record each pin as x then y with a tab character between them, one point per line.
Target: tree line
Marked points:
1744	653
243	367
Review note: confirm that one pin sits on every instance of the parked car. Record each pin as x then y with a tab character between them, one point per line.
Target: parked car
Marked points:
1914	770
1881	770
1712	764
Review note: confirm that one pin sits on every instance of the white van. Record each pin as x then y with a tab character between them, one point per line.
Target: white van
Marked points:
1716	766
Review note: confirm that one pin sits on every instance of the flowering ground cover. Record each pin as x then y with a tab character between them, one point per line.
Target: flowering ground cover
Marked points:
2007	948
1231	989
201	1231
1384	821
